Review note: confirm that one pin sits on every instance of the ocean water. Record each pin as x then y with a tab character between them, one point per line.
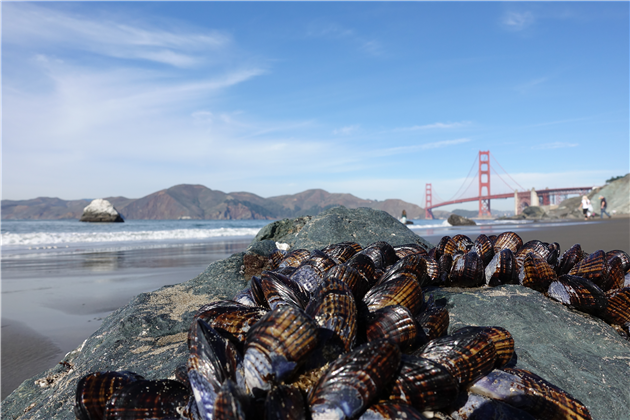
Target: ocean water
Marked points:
21	238
28	238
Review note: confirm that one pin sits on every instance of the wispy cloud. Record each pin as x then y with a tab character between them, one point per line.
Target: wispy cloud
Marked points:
517	21
424	146
34	25
346	130
555	145
437	125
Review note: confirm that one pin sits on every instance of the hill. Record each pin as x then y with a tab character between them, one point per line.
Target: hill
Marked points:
200	202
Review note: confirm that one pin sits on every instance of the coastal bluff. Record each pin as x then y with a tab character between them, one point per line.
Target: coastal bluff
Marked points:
579	353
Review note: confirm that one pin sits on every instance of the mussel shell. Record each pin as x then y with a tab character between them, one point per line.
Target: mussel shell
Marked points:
578	293
357	283
467	356
295	258
616	275
470	406
433	270
245	297
332	306
449	247
342	252
554	254
284	403
402	290
502	269
276	345
205	390
391	411
307	276
530	393
95	389
500	337
618	306
276	257
364	265
569	258
381	253
395	323
536	273
409	249
445	263
508	240
159	399
230	317
423	384
231	403
256	290
537	247
467	270
281	290
484	248
595	268
463	242
412	264
354	380
438	251
320	261
210	354
625	258
433	320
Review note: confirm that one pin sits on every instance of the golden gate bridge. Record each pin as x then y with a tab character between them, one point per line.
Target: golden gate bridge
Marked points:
522	196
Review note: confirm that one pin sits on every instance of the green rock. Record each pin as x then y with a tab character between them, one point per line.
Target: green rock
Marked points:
578	353
339	224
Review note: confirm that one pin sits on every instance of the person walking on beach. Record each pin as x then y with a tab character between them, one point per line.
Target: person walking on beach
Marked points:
603	205
585	205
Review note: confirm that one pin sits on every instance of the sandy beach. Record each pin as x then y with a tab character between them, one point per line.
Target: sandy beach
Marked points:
50	304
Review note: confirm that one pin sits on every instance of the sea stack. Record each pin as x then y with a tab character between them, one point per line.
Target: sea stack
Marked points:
101	211
457	220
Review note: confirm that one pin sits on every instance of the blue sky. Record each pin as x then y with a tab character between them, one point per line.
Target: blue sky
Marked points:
368	98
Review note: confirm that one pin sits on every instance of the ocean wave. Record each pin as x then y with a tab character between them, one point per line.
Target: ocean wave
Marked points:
69	238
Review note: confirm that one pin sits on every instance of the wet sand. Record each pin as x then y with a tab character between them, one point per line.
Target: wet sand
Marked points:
50	305
594	234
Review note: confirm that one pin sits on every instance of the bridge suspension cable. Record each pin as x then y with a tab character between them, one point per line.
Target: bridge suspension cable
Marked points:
463	183
506	172
510	187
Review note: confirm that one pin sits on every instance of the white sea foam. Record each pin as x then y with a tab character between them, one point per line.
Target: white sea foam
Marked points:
36	239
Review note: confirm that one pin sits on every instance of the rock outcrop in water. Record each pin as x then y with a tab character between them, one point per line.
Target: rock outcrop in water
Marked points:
577	352
101	211
457	220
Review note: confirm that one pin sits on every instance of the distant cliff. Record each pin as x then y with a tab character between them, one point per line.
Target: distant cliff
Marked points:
199	202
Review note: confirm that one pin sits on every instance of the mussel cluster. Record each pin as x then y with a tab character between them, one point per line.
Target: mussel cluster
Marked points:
346	332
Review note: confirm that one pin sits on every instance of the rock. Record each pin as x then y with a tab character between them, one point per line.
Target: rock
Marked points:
340	224
456	220
581	354
102	211
534	212
576	352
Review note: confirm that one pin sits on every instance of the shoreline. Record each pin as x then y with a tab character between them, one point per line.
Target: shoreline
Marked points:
57	301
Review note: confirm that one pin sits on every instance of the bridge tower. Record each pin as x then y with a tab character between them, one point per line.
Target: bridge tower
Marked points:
484	183
428	202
